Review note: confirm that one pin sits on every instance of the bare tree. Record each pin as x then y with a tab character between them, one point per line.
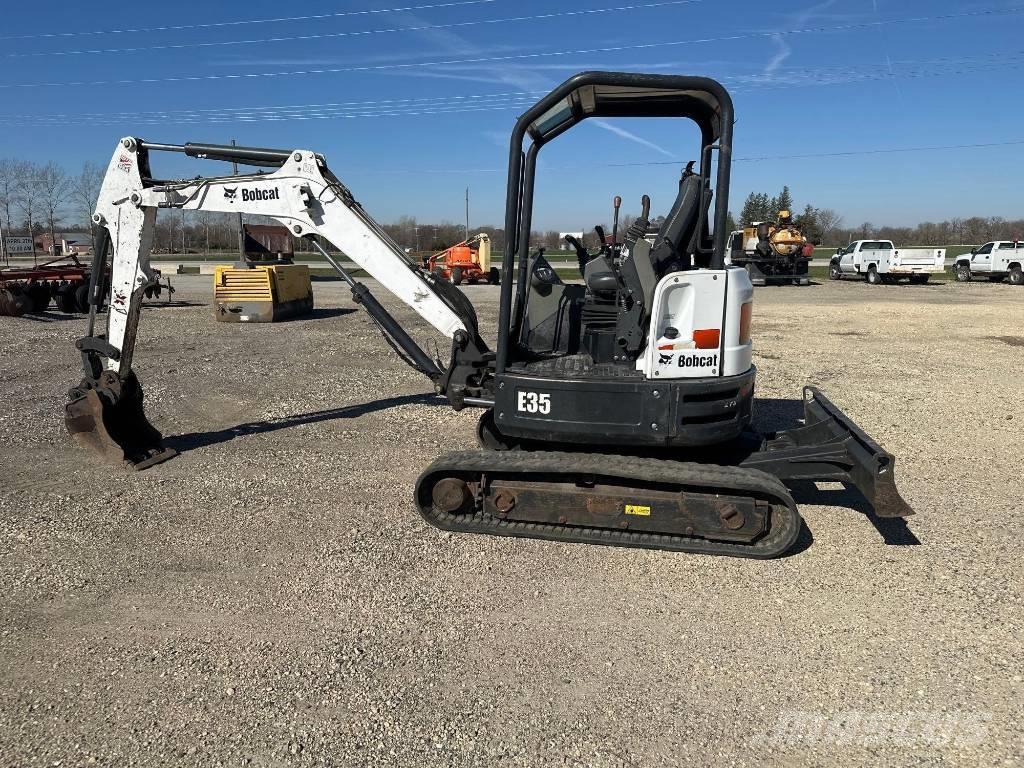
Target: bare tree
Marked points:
85	190
828	222
205	219
8	175
167	224
53	187
956	225
26	197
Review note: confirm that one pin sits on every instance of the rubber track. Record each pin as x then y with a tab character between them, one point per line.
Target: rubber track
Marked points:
784	520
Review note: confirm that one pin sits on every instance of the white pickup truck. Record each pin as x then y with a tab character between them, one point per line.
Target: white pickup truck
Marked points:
996	260
881	262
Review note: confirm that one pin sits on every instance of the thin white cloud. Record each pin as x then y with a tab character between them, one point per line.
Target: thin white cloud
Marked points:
283	61
446	75
796	21
497	138
525	78
777	60
620	131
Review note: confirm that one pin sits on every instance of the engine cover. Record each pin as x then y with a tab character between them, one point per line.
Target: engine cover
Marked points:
700	324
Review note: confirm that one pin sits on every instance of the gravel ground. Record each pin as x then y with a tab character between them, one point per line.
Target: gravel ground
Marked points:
271	597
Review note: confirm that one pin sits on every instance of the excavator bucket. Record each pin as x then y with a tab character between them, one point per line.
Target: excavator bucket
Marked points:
118	431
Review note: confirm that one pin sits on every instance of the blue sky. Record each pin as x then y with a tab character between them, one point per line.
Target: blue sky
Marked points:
424	94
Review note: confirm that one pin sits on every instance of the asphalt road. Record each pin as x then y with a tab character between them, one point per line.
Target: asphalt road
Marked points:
270	597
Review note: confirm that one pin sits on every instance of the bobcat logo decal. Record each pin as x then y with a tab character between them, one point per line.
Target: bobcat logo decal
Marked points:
230	193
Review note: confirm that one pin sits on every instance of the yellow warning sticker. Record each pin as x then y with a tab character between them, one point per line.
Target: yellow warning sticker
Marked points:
638	509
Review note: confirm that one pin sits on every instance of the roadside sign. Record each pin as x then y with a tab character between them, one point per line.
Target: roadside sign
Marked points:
15	245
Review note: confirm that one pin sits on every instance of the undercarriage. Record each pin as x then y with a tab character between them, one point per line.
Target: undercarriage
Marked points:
729	500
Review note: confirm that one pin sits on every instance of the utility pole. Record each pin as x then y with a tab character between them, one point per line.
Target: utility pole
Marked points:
182	231
241	228
467	213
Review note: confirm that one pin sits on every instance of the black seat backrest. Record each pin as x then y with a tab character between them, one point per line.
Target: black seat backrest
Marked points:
678	233
701	244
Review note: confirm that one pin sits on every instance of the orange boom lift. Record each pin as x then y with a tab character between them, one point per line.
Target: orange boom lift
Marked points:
468	261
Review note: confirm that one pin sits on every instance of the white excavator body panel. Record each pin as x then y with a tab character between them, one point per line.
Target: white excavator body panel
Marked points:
700	325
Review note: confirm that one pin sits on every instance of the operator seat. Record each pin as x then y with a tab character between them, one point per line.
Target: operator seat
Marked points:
599	277
678	235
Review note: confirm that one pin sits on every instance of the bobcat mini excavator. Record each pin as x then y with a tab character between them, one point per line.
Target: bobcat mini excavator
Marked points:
589	386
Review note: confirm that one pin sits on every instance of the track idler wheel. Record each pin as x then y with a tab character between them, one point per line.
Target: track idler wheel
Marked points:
109	420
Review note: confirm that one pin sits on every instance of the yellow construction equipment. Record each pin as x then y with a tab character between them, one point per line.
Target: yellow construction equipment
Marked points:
261	293
773	253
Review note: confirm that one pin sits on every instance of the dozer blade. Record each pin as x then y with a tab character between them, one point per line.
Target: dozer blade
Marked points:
118	432
830	446
621	501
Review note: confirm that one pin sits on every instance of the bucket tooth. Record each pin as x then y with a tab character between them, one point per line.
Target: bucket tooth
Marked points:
118	431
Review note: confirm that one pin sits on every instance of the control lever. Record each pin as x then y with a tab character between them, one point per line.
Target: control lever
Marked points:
638	229
600	236
616	204
582	256
630	324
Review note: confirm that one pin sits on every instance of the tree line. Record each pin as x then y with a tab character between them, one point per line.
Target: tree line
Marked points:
825	226
819	225
37	198
44	198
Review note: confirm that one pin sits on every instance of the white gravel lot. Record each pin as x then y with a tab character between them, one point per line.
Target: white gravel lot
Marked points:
271	597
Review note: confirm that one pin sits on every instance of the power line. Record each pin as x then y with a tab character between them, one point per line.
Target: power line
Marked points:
854	153
297	115
517	57
356	33
240	22
503	101
683	161
382	103
244	114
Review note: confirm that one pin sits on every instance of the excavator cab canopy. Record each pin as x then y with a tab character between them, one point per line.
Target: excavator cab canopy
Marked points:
635	99
609	94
